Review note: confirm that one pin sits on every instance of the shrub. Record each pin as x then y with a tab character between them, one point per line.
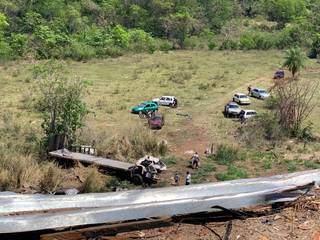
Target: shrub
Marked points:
163	147
257	40
232	173
311	164
212	45
170	161
93	182
19	44
264	41
203	86
52	178
226	154
165	45
115	184
140	41
272	127
315	48
191	42
291	165
18	171
120	36
80	51
267	164
112	51
271	102
291	36
206	168
5	50
305	134
262	130
247	42
229	44
135	144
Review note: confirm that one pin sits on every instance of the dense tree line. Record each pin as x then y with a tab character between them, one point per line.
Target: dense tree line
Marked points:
82	29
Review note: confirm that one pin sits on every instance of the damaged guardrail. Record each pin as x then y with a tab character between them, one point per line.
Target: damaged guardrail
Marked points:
22	213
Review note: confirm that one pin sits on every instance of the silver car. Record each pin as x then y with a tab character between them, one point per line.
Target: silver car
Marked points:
241	99
232	109
259	93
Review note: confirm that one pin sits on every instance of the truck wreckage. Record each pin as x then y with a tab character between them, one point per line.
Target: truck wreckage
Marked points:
26	213
144	171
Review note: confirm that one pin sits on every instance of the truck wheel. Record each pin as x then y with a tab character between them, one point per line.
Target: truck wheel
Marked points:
137	179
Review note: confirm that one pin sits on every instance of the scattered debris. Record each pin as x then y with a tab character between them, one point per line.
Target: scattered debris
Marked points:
184	115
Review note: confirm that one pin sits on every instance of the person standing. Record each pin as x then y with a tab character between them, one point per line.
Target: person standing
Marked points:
188	179
176	179
249	90
195	160
148	178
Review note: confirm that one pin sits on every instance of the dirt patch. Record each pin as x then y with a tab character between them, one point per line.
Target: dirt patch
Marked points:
301	221
192	138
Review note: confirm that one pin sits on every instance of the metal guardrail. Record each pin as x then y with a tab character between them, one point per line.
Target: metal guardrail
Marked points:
21	213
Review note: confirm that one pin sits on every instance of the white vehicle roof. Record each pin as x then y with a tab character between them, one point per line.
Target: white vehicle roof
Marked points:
232	103
151	158
259	89
241	94
249	111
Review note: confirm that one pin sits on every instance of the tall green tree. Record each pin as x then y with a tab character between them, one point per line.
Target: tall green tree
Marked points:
60	101
180	25
294	60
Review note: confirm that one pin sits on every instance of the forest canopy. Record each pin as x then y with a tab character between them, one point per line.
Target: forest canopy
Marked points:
83	29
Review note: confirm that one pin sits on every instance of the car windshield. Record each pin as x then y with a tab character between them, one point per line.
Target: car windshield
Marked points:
233	106
262	91
142	105
243	96
156	118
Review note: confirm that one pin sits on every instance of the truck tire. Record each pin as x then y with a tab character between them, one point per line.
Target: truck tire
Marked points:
137	179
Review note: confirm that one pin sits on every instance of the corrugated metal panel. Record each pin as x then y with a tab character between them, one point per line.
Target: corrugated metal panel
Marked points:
87	209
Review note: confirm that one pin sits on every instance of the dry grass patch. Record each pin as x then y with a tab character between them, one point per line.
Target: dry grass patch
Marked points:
52	177
18	171
94	181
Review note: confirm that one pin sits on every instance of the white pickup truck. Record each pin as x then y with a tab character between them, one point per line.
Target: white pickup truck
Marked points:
169	101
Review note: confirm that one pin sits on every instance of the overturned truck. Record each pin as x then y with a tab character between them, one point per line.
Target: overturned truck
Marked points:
143	172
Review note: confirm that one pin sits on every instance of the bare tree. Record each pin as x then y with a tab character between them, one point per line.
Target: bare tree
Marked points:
295	103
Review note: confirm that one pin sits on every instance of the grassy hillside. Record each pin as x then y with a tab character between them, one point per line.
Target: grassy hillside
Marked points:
202	81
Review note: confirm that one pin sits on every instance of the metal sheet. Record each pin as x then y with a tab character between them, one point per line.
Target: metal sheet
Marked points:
90	159
87	209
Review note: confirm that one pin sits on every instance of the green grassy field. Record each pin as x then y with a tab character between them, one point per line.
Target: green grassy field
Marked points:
202	81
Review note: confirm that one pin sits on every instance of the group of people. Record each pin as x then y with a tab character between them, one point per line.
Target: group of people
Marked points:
176	178
195	161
